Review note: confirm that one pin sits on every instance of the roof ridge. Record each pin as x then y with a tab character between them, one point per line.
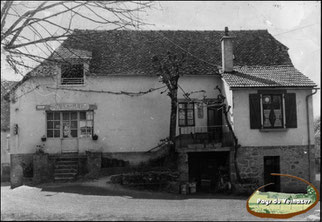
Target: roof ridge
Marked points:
170	30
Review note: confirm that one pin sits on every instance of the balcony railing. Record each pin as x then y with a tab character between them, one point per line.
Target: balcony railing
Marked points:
204	135
72	81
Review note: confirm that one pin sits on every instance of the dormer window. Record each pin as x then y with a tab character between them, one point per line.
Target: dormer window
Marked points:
72	74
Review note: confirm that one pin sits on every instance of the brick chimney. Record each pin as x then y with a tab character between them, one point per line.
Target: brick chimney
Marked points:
227	52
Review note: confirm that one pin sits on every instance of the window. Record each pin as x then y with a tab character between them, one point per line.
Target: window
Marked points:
72	74
269	110
53	124
186	114
70	124
272	111
86	123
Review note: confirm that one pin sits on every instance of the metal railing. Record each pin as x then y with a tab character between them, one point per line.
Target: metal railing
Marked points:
201	134
72	81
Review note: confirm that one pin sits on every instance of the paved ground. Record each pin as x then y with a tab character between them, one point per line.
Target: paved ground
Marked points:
99	201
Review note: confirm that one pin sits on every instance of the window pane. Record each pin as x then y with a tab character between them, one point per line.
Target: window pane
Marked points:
82	124
182	114
89	123
66	129
50	116
190	106
266	118
73	124
82	115
182	122
73	115
83	130
66	116
89	115
276	102
190	122
89	131
50	133
56	115
189	114
57	124
50	124
56	133
74	133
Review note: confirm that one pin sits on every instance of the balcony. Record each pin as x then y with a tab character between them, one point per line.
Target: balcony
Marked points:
204	138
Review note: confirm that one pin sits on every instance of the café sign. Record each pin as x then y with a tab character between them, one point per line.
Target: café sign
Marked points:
69	106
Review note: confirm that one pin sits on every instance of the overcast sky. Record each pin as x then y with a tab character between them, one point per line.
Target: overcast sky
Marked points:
295	24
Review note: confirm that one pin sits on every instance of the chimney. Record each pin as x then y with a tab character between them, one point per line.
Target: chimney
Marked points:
227	52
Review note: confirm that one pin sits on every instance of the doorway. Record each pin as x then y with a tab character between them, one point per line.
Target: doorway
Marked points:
215	124
272	165
207	169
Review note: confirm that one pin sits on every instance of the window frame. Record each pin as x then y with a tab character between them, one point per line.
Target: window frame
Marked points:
282	96
82	82
186	114
61	120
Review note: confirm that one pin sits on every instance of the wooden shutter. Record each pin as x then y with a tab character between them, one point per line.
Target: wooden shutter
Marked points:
290	110
254	111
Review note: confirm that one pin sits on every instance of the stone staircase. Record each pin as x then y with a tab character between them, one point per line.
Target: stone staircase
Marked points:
66	168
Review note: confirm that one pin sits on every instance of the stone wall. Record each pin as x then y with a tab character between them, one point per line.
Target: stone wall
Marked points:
293	161
94	162
19	164
250	160
41	168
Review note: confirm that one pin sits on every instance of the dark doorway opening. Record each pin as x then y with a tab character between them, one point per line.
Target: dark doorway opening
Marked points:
210	170
272	165
215	124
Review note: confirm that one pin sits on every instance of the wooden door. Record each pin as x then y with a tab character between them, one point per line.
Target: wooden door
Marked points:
215	123
272	165
69	140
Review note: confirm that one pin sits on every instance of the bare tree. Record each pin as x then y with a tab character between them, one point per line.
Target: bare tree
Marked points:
29	30
169	68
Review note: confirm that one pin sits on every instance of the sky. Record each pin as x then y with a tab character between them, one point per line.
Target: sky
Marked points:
295	24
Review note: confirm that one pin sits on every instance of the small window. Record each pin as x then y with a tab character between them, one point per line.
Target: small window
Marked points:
86	123
186	114
72	74
53	125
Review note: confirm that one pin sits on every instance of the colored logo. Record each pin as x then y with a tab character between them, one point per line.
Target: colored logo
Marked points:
282	205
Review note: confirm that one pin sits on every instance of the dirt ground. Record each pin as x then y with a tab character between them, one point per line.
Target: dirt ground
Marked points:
97	200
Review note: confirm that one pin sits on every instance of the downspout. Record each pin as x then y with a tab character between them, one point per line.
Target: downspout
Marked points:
308	131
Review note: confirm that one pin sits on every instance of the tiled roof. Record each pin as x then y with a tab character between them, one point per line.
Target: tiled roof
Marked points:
62	53
266	76
130	52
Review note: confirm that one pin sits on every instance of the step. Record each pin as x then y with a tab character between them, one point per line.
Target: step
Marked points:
65	174
64	179
64	170
68	166
66	161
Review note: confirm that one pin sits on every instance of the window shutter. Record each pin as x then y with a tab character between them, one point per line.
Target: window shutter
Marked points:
290	110
254	111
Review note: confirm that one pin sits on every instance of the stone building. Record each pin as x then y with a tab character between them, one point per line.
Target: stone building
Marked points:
98	97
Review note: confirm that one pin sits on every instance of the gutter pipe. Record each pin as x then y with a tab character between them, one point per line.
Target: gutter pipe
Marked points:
308	130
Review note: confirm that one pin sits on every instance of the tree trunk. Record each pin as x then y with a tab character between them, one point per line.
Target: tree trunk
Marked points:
173	120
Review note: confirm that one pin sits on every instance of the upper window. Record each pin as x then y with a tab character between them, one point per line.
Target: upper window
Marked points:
272	110
72	74
186	114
